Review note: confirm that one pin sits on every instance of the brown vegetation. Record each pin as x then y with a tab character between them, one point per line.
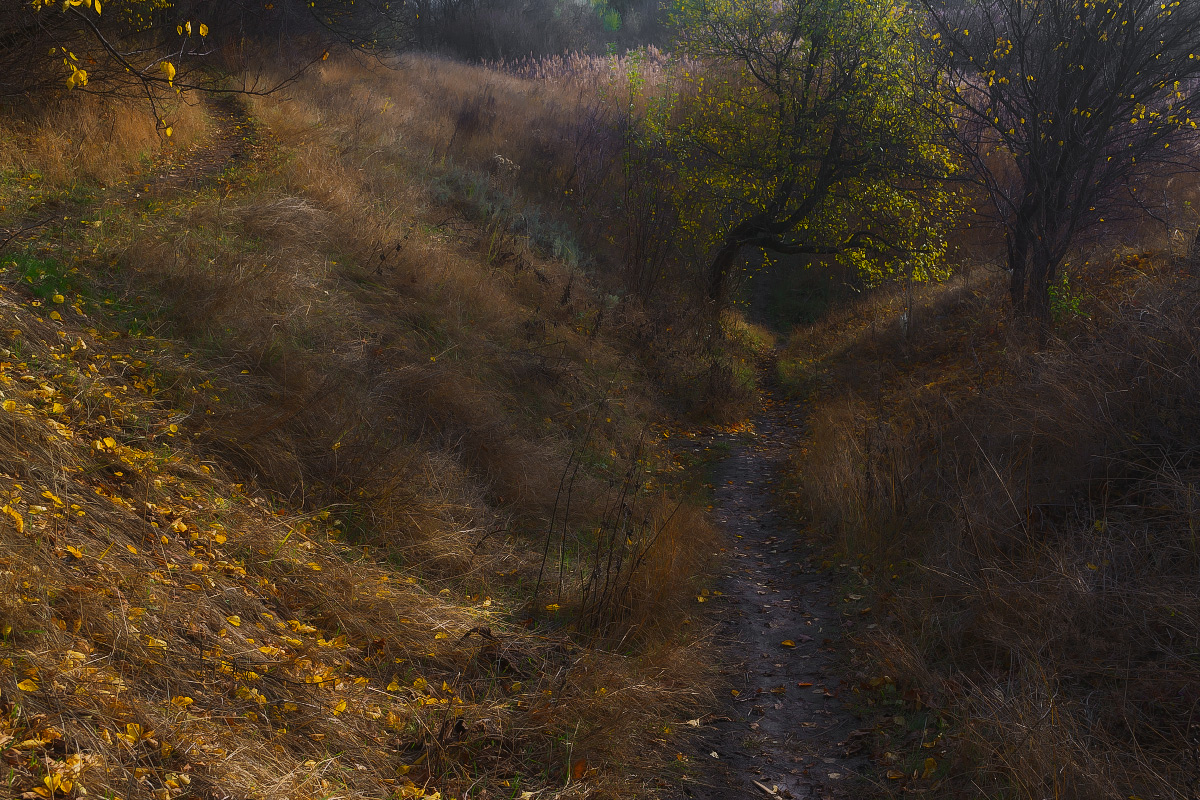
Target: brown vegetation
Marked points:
1026	517
281	455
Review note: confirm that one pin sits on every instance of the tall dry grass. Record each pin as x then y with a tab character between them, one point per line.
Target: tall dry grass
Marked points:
388	362
1026	516
83	138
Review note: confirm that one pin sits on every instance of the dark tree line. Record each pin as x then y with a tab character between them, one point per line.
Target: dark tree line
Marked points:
507	29
148	46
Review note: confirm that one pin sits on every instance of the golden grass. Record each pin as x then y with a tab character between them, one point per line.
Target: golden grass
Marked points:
88	138
314	439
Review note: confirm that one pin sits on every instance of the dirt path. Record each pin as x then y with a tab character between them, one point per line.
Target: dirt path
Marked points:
227	144
784	730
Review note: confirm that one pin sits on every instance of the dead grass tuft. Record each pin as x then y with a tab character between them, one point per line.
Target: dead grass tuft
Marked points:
81	138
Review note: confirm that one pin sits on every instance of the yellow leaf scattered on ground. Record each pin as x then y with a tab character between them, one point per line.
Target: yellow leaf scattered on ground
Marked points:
17	519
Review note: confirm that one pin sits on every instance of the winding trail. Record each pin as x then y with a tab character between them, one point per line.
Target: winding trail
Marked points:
230	131
784	730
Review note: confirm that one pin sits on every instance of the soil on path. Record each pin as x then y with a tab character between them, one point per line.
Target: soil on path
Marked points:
784	730
227	144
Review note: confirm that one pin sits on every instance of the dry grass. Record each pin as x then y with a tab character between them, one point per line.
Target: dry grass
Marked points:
80	138
315	435
1026	517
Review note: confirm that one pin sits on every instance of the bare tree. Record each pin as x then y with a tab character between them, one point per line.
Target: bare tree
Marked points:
1062	106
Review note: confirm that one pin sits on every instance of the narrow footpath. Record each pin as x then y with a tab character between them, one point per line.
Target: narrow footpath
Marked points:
784	730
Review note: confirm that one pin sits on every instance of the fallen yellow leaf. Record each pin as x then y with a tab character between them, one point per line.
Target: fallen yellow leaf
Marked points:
788	643
28	685
17	519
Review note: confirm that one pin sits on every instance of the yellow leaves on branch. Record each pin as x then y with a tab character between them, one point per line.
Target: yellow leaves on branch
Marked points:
77	78
92	4
186	27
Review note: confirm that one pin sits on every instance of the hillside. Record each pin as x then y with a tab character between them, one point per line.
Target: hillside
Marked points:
749	418
1021	514
299	415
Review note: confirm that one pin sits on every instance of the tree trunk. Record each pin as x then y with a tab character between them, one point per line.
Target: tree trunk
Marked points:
719	269
1041	275
1018	258
1019	237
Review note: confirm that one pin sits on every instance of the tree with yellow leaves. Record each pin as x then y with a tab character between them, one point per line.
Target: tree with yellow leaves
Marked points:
804	127
73	43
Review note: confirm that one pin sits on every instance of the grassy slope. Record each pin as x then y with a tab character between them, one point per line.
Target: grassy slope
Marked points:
279	455
1025	515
